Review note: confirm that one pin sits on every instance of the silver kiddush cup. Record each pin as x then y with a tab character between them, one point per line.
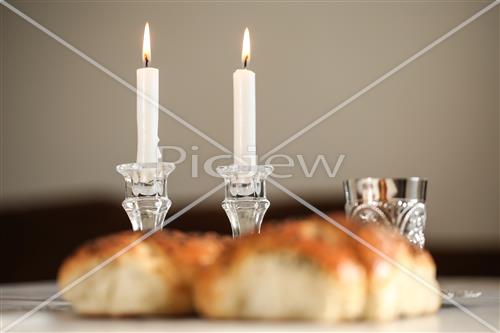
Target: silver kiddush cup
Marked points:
397	202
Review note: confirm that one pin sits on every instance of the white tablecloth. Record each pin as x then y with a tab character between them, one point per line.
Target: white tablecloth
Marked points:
17	300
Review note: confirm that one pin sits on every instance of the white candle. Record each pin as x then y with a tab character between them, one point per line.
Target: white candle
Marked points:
244	109
147	108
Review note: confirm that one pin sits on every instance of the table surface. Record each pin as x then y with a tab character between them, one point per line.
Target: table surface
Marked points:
18	299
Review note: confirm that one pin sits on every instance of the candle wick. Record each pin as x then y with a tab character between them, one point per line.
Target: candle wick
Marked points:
146	60
245	62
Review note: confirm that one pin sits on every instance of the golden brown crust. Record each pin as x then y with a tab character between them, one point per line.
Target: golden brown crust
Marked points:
364	245
188	250
173	260
336	261
169	258
97	250
319	251
384	240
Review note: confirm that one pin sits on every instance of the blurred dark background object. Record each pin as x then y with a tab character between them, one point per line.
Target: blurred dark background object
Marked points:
34	242
64	125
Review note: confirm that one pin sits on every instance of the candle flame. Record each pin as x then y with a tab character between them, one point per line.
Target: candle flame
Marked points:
146	45
245	51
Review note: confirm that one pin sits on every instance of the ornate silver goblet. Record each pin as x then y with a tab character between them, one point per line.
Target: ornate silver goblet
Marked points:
398	202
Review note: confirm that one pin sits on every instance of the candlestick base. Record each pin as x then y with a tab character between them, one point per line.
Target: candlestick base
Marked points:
146	201
245	202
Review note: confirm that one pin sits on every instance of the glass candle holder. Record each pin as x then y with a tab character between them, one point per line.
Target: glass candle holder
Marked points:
146	199
245	200
397	202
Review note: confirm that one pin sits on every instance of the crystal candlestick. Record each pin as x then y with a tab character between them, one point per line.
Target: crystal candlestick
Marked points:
146	200
245	202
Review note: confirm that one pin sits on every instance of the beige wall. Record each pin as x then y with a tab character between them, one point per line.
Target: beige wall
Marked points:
65	125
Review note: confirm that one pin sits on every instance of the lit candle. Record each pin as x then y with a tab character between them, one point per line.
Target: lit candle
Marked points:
147	108
244	109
